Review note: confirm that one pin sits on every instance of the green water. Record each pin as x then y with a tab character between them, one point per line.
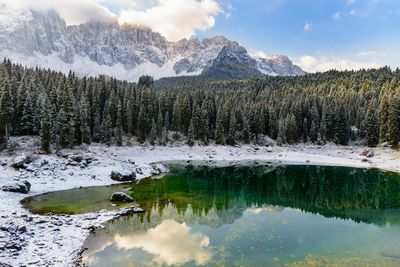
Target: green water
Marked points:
245	216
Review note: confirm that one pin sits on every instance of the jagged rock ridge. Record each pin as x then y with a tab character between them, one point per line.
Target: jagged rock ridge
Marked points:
126	52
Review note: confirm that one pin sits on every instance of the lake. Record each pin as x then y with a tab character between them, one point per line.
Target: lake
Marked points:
244	215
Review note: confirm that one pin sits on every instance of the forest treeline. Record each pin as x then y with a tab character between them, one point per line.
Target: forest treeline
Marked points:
66	110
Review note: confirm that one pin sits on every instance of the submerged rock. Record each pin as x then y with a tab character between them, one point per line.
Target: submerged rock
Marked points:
21	187
158	169
123	176
130	211
121	197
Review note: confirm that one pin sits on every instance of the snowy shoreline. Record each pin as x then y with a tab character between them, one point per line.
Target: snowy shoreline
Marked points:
56	240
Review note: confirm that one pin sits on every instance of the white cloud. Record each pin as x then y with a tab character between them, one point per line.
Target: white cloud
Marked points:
73	11
186	246
257	54
175	19
336	15
308	26
353	12
321	64
349	2
367	53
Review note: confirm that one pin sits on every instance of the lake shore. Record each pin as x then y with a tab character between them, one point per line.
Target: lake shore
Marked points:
56	240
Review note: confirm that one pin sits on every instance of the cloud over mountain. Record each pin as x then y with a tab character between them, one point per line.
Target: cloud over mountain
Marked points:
174	19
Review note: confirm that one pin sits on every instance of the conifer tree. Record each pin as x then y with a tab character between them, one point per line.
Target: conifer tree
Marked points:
372	127
205	127
384	117
45	131
232	130
246	130
159	124
107	125
394	121
141	125
314	124
219	132
119	124
6	107
305	130
153	133
84	121
191	134
164	136
281	132
27	115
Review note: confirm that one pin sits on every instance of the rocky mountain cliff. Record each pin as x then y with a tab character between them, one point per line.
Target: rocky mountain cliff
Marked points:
126	52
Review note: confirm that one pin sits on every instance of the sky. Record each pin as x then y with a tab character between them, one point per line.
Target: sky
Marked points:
318	35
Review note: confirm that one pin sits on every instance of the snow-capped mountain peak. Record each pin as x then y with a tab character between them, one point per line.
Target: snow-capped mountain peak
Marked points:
123	51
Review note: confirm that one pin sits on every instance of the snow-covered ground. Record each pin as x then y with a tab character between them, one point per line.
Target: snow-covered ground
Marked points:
56	240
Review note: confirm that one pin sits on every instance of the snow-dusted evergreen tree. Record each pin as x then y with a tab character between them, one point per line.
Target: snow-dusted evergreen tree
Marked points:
141	125
384	118
394	121
6	107
107	124
84	121
27	115
281	132
159	124
314	123
372	125
190	141
232	130
46	127
119	124
205	131
219	131
291	128
153	133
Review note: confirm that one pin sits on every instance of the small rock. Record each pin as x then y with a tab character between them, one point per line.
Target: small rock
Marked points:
21	230
365	160
138	210
123	176
76	158
21	187
139	171
121	197
368	152
13	246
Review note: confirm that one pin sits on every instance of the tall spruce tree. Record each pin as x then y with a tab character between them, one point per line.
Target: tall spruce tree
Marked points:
191	134
6	107
384	118
219	131
45	131
394	121
372	127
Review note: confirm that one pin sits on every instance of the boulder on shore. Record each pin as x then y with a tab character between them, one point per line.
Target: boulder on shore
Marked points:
123	176
369	153
21	187
121	197
20	162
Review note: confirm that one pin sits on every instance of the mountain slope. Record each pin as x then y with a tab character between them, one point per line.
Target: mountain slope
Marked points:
126	52
233	62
